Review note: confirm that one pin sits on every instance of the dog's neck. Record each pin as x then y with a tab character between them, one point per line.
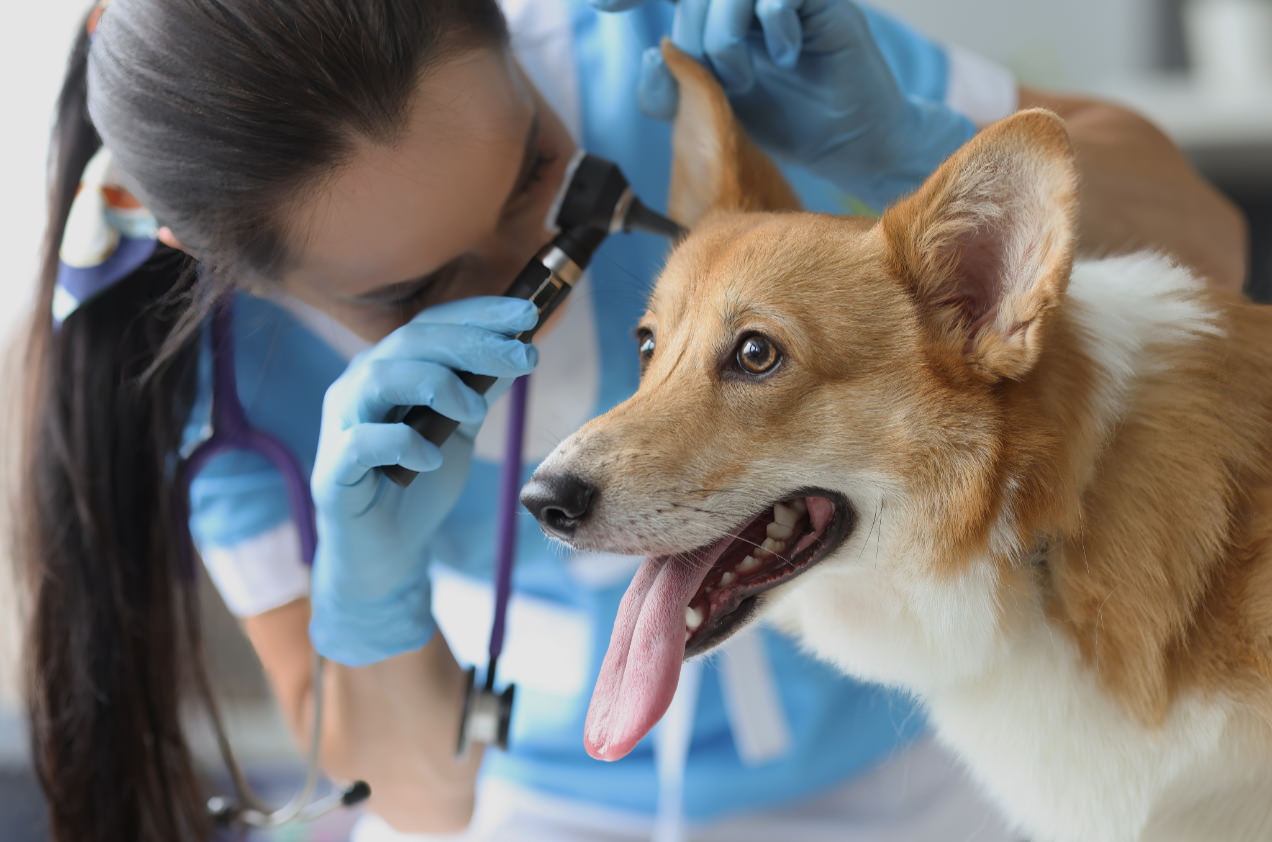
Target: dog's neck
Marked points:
1135	495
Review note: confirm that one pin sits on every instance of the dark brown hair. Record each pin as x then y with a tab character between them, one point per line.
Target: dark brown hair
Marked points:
221	114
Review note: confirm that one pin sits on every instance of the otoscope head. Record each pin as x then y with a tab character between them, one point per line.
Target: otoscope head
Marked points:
596	195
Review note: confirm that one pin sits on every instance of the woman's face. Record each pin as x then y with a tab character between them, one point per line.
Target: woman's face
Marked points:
453	208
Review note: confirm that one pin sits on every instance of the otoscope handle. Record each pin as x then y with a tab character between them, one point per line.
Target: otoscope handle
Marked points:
545	280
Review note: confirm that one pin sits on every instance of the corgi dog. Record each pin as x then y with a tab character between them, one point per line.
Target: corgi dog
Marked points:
950	456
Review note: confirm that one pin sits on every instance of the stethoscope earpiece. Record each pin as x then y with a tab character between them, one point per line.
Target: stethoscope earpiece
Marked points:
222	811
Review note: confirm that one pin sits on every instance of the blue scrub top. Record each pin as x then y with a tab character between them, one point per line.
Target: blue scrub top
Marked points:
838	727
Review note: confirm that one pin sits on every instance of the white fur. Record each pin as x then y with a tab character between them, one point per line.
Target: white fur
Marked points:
1125	305
1004	687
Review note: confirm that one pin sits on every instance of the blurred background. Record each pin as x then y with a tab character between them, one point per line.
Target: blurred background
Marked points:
1201	69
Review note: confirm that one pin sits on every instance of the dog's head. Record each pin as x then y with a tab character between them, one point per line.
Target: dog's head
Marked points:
800	373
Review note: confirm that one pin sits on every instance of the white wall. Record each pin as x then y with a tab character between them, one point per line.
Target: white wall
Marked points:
34	40
1069	44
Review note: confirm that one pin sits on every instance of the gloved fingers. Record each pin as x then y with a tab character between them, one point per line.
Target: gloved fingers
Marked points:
783	32
617	5
365	447
724	41
657	92
461	347
381	385
493	312
690	25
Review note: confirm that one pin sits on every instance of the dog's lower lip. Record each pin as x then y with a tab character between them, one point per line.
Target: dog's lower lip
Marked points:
737	609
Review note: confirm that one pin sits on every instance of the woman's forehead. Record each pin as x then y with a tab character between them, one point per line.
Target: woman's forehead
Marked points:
398	210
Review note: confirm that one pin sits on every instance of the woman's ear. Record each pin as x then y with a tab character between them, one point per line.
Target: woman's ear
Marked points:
715	166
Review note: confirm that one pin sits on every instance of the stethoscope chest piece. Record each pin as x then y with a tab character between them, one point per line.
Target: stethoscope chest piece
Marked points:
487	713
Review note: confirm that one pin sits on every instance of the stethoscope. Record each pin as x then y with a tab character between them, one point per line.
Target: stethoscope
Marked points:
230	431
593	202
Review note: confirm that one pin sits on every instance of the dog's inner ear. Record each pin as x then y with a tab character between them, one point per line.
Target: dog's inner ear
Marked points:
986	244
715	166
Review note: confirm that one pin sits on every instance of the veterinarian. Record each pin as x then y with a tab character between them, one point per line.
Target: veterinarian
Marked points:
340	169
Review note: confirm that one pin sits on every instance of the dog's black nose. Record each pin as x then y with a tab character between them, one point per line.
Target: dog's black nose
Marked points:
558	501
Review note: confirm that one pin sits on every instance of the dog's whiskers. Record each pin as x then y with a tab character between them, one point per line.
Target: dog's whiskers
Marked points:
873	522
737	537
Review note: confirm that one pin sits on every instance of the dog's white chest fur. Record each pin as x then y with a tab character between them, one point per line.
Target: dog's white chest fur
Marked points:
1008	690
1063	759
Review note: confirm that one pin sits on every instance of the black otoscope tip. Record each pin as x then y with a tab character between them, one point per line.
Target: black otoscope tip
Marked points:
596	196
641	218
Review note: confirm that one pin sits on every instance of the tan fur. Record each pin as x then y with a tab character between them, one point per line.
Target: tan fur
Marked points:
1162	567
1153	579
700	179
1146	538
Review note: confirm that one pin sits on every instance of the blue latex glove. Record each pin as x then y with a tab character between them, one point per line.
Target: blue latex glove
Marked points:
370	589
808	81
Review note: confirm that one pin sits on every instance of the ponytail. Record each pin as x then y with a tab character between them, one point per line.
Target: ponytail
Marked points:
110	619
220	115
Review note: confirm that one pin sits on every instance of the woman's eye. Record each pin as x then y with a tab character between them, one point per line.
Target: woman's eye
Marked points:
412	299
645	346
542	161
757	354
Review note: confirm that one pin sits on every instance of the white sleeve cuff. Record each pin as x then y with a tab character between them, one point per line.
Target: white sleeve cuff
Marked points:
259	574
978	88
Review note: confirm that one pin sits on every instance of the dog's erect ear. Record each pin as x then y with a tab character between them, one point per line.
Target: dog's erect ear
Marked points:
986	244
715	165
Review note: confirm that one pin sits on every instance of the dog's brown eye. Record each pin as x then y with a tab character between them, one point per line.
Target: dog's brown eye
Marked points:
757	354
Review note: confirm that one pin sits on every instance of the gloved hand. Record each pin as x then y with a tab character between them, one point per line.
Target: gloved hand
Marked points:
810	84
370	590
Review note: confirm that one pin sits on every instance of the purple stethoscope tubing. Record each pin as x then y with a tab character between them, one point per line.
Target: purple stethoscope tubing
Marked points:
230	431
506	525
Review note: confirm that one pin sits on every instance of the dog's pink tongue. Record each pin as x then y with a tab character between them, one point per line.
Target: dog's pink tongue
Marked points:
639	675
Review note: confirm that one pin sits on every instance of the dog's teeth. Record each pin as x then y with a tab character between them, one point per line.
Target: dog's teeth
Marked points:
748	564
774	547
780	531
693	618
727	578
800	507
785	515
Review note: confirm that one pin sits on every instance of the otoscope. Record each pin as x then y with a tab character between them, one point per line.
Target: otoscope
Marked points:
594	201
